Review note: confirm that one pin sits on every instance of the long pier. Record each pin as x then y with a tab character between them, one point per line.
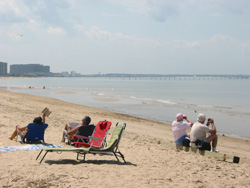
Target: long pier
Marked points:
196	77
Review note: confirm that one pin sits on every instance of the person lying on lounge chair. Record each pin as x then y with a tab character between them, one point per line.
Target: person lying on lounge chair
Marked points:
71	129
33	131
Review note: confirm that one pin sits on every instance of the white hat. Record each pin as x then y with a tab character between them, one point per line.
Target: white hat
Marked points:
201	117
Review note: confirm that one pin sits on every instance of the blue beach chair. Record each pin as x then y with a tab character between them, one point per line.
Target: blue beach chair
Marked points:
35	133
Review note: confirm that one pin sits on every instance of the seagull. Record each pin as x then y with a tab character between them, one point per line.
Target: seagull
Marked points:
21	35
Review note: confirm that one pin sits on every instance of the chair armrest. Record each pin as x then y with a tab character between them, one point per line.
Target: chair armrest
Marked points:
81	137
95	138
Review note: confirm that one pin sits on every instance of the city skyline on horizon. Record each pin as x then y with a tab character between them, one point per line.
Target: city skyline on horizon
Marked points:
73	72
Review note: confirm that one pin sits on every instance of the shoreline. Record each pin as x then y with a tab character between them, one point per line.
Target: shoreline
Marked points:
117	111
117	114
124	114
229	121
147	158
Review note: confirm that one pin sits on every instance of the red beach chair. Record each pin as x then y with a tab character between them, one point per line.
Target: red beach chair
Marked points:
98	138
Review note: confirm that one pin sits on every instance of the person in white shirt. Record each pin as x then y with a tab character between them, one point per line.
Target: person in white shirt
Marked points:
199	130
180	127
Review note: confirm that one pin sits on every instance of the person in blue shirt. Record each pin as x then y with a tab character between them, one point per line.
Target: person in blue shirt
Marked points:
33	131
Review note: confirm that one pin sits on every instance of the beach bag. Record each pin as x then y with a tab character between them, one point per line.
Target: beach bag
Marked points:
186	142
202	145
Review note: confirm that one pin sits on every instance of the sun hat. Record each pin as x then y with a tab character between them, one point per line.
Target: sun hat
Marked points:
179	116
201	117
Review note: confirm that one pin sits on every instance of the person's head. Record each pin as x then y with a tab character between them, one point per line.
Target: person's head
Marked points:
201	118
179	117
86	120
38	121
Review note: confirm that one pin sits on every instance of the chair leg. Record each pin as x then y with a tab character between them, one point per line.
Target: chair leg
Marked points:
39	154
122	156
84	156
44	156
116	156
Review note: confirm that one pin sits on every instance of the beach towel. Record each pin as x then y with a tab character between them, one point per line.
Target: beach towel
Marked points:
27	147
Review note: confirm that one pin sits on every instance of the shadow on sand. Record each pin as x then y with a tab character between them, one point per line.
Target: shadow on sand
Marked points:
77	162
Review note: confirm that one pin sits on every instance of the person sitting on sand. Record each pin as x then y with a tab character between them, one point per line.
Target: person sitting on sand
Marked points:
37	125
199	130
72	128
179	128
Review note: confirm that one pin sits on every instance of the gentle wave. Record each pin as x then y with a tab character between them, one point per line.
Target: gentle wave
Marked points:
228	101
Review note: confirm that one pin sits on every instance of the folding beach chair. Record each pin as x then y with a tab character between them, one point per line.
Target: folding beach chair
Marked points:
35	133
98	139
113	146
83	133
110	149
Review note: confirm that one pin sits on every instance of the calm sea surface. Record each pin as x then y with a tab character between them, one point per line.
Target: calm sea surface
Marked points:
226	100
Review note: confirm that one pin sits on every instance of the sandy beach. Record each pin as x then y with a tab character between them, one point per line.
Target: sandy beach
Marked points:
149	162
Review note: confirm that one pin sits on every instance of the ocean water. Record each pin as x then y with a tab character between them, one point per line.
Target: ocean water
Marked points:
160	99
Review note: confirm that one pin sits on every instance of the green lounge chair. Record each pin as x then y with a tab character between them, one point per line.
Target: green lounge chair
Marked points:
110	149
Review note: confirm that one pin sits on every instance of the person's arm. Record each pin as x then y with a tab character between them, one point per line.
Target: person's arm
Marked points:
188	120
43	117
213	129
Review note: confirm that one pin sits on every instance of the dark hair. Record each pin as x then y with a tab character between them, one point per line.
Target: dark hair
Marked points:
38	120
86	120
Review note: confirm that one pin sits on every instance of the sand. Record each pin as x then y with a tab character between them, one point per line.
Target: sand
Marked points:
149	162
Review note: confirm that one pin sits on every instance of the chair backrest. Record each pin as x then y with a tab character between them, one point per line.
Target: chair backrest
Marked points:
86	131
101	131
36	132
116	136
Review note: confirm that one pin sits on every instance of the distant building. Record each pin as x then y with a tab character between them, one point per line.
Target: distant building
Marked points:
29	70
75	74
65	74
3	69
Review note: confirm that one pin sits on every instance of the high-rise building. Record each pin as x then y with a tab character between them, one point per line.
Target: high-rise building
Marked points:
3	69
29	69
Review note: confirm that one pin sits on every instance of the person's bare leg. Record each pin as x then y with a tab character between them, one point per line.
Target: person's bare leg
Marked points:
14	134
213	139
73	131
67	128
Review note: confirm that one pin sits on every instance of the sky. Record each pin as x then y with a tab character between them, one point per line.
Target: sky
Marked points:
128	36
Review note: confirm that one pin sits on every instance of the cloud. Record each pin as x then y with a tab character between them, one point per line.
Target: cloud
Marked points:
221	38
218	42
94	33
12	11
79	27
56	31
193	44
183	44
159	10
162	10
32	25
